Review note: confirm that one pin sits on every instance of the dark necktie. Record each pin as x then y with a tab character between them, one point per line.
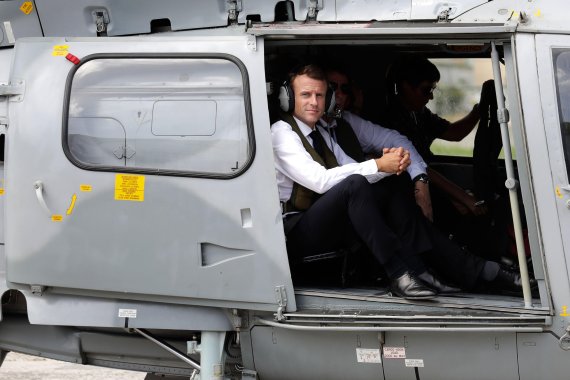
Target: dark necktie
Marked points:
318	142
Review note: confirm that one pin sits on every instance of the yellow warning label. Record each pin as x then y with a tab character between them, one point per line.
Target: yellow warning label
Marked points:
564	311
559	193
129	187
1	191
57	218
60	50
27	7
85	188
72	205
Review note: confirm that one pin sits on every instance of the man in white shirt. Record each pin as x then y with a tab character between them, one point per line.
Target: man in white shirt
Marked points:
371	137
337	195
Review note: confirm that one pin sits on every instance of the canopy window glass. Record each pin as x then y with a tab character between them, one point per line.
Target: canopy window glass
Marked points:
181	115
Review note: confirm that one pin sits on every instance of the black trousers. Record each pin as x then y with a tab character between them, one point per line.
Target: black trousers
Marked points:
380	214
447	258
452	263
385	217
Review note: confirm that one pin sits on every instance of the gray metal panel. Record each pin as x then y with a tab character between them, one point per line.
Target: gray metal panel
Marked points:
14	23
69	310
429	10
544	16
367	10
5	61
466	356
74	18
140	248
301	355
541	357
134	16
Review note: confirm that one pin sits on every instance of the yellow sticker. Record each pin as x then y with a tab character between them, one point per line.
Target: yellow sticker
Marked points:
538	13
60	50
1	191
129	187
564	312
85	188
72	205
27	7
57	218
559	193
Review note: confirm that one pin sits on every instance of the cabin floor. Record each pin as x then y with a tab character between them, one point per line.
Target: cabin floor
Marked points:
367	305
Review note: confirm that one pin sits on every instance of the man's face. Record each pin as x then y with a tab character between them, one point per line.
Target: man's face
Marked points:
339	82
415	98
309	99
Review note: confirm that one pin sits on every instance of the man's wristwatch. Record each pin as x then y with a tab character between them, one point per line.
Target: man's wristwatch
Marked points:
421	177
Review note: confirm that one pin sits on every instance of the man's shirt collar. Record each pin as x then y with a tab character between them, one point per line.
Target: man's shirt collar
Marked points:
305	129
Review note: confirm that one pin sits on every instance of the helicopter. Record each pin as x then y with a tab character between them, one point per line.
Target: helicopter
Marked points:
141	225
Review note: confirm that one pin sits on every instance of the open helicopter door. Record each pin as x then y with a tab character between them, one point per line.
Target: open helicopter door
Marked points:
141	168
551	135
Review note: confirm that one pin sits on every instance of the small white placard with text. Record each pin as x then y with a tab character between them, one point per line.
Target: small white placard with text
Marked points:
127	313
415	363
394	352
368	355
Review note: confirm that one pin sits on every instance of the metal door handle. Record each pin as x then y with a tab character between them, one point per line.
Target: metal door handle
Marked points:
39	187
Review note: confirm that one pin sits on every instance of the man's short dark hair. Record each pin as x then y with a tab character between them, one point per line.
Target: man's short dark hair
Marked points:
311	70
413	69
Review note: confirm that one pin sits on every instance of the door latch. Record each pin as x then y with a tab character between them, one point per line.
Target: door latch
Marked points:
39	188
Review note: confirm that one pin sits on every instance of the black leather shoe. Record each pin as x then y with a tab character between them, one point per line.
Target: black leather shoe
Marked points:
409	287
433	282
510	282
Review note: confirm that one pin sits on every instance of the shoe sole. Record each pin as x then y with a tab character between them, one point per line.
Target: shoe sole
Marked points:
413	297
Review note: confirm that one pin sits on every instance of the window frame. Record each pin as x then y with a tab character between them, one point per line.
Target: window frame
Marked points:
156	171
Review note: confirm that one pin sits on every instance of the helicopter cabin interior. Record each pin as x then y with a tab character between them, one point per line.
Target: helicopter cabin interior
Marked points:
464	65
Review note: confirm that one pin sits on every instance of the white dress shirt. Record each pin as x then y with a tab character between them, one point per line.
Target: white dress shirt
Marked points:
294	164
373	138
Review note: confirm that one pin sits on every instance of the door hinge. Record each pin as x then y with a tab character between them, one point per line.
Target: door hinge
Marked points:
281	297
443	15
14	90
234	8
37	290
313	10
101	20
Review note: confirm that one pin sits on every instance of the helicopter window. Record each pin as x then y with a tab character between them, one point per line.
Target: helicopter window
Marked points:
561	58
171	114
456	93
